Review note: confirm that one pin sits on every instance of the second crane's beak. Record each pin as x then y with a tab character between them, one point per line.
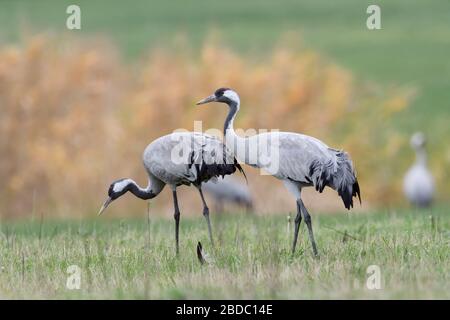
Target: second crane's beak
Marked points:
105	205
211	98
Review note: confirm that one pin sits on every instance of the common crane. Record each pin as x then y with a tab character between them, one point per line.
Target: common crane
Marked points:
180	158
229	190
418	184
296	159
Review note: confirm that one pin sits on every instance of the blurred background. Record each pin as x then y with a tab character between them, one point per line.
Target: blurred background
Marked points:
78	107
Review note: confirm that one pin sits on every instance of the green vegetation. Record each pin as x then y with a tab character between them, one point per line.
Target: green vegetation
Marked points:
132	259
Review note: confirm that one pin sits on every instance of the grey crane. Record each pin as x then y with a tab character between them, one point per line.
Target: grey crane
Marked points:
296	159
180	158
418	183
229	189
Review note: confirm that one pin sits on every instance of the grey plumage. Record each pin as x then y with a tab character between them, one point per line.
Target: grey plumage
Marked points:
188	158
418	183
181	158
305	161
229	190
296	159
338	175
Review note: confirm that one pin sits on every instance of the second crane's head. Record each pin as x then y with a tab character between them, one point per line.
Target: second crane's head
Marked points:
224	95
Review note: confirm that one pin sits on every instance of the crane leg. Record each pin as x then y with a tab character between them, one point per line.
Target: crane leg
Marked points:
176	216
206	215
298	220
307	218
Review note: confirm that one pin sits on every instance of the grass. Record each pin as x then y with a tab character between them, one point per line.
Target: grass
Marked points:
128	259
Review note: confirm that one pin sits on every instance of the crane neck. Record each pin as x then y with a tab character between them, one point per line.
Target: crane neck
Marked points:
229	121
236	144
421	156
232	140
142	193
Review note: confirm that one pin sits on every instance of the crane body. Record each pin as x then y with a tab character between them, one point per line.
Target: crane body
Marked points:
296	159
418	184
180	158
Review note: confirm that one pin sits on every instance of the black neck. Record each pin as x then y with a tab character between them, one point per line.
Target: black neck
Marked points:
141	193
233	108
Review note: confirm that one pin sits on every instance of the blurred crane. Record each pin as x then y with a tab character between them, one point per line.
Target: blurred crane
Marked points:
181	158
298	160
229	190
418	184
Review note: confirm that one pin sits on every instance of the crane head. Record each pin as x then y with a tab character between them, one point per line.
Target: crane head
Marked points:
116	189
224	95
418	140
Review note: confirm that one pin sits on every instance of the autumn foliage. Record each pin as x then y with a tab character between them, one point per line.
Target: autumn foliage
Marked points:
74	116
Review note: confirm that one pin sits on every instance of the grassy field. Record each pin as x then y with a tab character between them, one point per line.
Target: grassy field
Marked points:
134	259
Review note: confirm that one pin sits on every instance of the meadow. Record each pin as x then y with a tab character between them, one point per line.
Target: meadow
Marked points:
77	108
135	258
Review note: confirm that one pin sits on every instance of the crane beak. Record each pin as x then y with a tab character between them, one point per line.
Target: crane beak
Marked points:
211	98
105	205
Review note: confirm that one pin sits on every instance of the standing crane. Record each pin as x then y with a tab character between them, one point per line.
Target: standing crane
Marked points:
229	190
180	158
296	159
418	184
